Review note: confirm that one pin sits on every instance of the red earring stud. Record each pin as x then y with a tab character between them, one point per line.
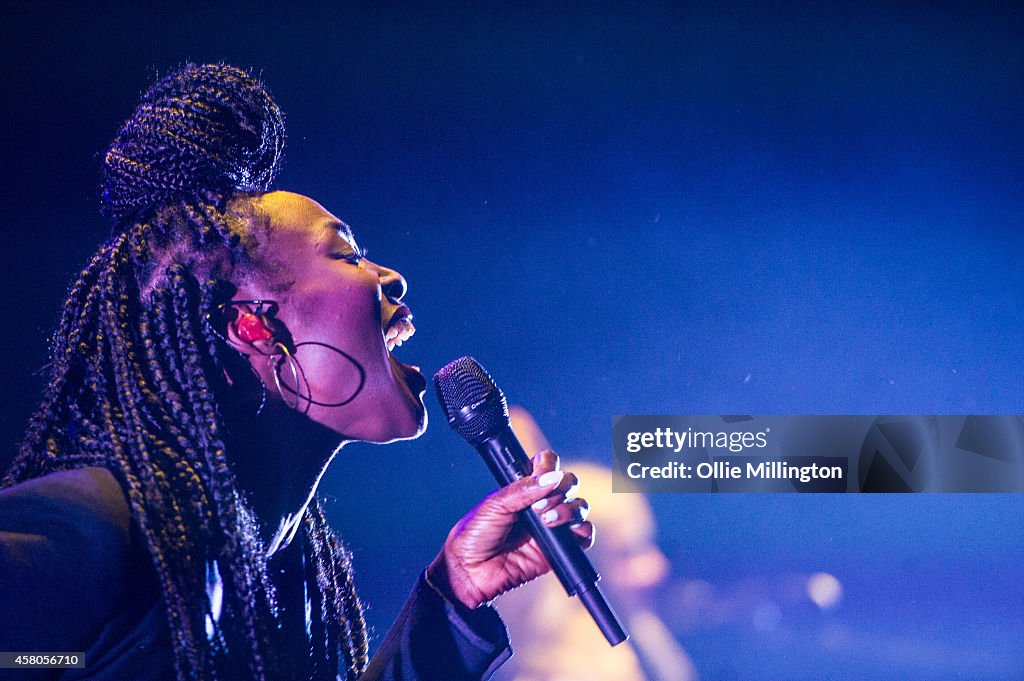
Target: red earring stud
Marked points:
251	328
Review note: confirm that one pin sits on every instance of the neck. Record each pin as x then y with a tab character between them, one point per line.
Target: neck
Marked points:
278	459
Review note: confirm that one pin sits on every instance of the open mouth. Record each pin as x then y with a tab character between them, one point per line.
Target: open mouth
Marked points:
399	328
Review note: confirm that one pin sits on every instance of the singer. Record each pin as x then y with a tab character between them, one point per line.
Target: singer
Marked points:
211	359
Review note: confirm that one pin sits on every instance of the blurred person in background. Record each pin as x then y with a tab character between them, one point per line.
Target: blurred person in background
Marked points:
556	640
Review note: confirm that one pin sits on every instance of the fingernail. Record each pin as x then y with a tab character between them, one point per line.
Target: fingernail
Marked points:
550	478
539	505
550	516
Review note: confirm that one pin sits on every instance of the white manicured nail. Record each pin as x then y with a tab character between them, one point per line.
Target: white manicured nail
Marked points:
550	516
550	478
539	505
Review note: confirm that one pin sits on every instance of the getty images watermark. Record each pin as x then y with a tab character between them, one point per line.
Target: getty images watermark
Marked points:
819	453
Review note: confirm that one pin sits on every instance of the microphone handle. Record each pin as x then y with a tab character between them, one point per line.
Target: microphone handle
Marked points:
508	462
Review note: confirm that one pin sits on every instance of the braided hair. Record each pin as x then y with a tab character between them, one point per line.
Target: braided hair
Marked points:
137	385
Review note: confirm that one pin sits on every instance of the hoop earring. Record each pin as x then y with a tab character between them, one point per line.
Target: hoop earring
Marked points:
300	375
297	373
350	359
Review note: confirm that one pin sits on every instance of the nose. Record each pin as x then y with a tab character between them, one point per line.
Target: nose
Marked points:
392	284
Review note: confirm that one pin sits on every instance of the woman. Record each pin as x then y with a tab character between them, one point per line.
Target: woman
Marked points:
210	361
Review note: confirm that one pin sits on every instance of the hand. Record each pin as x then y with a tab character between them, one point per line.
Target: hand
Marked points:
488	552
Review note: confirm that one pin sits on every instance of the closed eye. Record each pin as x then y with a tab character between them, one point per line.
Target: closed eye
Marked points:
354	256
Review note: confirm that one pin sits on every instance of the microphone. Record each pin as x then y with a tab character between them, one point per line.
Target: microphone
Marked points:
477	410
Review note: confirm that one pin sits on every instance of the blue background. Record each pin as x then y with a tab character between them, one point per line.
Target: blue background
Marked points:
619	208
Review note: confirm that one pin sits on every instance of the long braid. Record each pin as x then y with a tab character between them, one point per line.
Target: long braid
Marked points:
341	618
137	385
237	527
350	607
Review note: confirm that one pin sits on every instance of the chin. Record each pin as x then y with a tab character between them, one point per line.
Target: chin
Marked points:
420	422
406	426
409	429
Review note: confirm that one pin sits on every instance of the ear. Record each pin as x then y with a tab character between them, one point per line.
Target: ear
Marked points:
250	334
250	328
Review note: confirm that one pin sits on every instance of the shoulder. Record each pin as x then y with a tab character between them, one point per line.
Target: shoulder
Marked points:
64	547
65	500
82	510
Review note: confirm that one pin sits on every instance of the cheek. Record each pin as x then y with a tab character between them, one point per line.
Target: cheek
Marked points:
337	303
348	316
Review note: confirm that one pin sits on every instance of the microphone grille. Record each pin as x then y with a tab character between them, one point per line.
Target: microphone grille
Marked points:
474	405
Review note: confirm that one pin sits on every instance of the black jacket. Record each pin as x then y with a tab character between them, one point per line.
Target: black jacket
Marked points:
65	541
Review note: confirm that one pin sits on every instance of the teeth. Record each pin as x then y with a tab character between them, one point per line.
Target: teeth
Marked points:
400	331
